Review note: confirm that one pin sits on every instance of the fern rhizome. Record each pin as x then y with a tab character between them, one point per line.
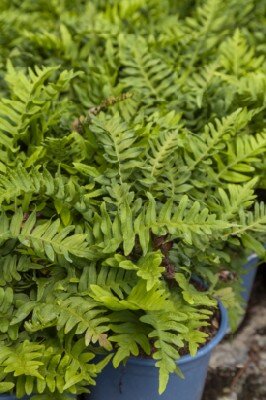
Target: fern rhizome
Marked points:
132	145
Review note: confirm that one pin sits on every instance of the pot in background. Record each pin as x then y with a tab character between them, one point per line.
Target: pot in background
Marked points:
138	380
248	276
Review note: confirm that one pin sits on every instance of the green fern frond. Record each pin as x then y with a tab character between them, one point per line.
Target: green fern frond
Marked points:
192	295
161	149
168	336
145	73
21	186
55	368
7	300
237	58
138	298
201	86
172	331
208	18
173	182
120	145
118	280
13	266
43	39
22	359
30	97
233	198
241	157
113	228
129	335
253	220
147	267
212	140
150	269
66	150
106	233
185	222
77	314
251	89
46	239
27	88
200	35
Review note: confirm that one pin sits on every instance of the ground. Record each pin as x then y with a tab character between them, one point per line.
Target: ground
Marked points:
238	365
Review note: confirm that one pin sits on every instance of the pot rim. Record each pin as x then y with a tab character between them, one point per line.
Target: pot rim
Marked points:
252	257
201	353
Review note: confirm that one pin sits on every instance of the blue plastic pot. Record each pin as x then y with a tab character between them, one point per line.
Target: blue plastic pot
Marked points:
138	380
248	277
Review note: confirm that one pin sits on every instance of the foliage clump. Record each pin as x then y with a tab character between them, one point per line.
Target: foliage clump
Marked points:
132	146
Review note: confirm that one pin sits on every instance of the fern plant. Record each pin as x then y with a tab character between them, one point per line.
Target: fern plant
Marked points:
131	150
123	248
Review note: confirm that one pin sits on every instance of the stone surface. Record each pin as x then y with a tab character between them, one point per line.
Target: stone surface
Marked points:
238	365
